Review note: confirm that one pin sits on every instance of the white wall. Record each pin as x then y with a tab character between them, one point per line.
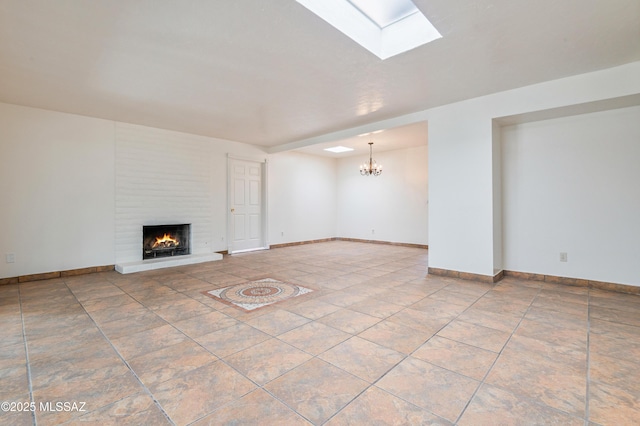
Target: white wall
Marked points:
461	190
77	190
572	185
165	177
394	205
58	170
57	191
302	197
462	179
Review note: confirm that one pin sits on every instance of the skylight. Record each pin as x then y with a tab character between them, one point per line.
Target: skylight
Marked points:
339	149
385	12
384	27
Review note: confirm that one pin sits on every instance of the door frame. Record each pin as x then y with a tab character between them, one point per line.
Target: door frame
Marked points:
264	237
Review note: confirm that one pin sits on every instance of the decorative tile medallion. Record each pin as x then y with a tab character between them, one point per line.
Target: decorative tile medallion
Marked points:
257	294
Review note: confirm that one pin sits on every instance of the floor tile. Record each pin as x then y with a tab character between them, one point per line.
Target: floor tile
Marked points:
147	341
91	363
612	405
455	298
342	298
614	339
71	341
349	321
377	407
199	392
90	292
267	360
14	382
547	382
313	309
399	297
17	418
563	353
134	410
376	308
170	362
475	335
421	321
464	359
172	311
314	337
435	389
627	317
94	394
362	358
497	321
310	389
560	334
554	312
615	372
493	406
232	339
108	303
125	326
277	322
204	324
534	350
256	408
395	336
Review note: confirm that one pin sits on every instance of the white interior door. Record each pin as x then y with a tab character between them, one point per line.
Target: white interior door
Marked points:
246	205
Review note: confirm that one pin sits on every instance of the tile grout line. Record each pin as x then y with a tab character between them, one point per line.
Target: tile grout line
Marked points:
482	382
144	387
219	358
313	356
406	356
26	354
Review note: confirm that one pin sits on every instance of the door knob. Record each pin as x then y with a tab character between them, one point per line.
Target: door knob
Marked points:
233	210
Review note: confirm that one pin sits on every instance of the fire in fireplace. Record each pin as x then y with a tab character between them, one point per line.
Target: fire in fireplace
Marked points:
165	240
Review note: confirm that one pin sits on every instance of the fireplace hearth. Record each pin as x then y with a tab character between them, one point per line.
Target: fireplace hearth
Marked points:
165	240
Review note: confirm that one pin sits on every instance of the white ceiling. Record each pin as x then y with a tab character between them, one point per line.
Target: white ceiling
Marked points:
269	72
407	136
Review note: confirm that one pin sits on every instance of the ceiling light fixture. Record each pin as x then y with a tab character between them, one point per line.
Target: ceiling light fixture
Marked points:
372	168
339	149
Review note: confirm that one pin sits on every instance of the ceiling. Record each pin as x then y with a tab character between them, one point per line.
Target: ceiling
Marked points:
271	73
407	136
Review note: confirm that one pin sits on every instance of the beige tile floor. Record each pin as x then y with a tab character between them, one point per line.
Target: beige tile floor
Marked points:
378	342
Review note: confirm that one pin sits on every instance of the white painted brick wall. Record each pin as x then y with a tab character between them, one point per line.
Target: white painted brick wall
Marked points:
164	177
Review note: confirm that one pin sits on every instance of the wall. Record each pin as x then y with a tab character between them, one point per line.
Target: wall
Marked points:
302	200
462	179
57	191
461	190
58	171
393	205
571	185
77	190
165	177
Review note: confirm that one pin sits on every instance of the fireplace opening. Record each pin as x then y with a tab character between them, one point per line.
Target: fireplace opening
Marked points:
165	240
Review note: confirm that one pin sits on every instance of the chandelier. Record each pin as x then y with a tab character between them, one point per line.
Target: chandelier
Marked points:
372	168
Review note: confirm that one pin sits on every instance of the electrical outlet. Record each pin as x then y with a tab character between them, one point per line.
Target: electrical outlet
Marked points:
282	233
563	257
11	258
373	231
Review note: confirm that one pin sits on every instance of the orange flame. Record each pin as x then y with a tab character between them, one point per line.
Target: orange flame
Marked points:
166	241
